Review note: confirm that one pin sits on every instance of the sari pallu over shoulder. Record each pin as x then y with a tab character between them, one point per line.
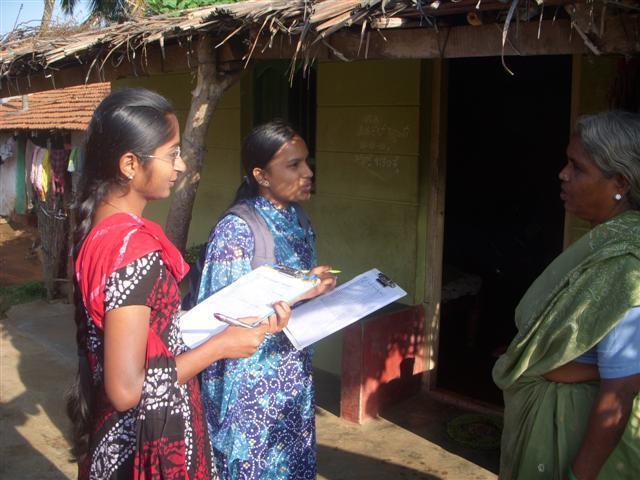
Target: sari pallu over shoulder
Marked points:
113	243
570	307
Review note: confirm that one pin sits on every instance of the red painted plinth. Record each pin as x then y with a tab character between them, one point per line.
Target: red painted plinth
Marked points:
382	362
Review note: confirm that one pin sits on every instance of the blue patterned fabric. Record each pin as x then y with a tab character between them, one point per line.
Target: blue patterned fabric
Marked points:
260	410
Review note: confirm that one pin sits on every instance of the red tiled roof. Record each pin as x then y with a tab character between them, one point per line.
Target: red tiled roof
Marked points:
65	108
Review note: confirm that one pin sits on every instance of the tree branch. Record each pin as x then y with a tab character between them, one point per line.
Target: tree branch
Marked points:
211	85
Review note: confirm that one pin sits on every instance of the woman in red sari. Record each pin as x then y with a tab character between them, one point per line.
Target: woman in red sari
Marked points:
135	405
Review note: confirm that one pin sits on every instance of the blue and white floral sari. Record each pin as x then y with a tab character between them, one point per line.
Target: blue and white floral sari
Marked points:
260	410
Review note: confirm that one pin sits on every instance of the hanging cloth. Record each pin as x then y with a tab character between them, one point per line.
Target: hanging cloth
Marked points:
46	174
71	167
29	149
59	162
39	154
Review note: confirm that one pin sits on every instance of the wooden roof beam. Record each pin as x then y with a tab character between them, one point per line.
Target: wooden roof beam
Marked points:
556	38
419	43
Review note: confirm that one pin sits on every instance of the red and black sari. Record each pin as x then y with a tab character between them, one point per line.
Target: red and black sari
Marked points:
127	260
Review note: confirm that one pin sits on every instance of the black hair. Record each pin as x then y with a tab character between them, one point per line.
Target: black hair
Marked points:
258	148
131	120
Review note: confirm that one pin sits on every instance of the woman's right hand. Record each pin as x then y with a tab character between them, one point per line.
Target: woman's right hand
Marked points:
232	342
240	342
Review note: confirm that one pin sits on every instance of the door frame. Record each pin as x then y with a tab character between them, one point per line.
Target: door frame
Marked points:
436	176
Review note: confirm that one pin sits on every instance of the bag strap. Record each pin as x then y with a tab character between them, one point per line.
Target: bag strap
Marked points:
264	246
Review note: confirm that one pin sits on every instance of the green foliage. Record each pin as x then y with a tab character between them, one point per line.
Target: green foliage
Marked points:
107	10
166	6
16	294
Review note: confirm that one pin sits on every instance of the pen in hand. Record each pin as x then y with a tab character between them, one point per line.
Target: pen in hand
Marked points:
328	271
231	321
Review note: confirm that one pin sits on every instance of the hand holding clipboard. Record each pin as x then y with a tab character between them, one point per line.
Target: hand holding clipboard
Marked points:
252	295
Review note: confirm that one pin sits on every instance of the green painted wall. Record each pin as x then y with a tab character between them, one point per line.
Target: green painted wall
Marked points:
221	172
365	209
21	203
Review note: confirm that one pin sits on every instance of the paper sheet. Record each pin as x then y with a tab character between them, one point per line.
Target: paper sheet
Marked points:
252	295
348	303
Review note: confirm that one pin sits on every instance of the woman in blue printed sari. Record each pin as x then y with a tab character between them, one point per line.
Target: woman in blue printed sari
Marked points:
260	409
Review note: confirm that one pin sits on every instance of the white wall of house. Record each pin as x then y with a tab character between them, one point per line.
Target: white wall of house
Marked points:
7	181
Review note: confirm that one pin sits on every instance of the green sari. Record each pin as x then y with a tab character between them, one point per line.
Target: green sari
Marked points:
570	307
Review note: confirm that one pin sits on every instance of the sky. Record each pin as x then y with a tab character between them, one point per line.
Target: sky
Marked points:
31	13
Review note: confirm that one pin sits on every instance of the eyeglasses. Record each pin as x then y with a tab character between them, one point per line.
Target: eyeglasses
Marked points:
171	157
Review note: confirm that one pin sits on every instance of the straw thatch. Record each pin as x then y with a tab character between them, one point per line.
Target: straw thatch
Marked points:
307	22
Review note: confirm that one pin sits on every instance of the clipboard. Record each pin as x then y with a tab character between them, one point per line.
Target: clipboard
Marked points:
322	316
252	295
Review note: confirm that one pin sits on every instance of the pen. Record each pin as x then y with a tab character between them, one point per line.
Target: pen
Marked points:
328	271
230	320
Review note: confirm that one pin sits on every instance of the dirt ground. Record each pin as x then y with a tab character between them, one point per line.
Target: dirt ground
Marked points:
38	361
19	262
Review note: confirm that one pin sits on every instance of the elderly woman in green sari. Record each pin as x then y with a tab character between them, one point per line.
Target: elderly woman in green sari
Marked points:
571	376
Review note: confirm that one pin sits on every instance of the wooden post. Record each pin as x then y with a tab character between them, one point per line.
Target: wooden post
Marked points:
52	229
576	77
211	85
435	219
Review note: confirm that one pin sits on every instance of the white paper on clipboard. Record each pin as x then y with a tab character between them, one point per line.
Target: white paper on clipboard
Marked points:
252	295
348	303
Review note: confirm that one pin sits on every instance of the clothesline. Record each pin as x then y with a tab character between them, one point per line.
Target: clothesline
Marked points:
47	169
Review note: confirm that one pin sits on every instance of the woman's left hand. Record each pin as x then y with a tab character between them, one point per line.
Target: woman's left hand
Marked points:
280	319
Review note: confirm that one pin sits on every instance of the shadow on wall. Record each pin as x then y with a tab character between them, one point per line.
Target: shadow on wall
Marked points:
383	361
336	464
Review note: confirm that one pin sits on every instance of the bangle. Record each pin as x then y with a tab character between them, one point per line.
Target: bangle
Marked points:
570	474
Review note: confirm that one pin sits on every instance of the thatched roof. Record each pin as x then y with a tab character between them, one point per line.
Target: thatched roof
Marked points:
307	23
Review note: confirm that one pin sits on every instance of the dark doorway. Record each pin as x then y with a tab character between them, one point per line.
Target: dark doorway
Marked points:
503	217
